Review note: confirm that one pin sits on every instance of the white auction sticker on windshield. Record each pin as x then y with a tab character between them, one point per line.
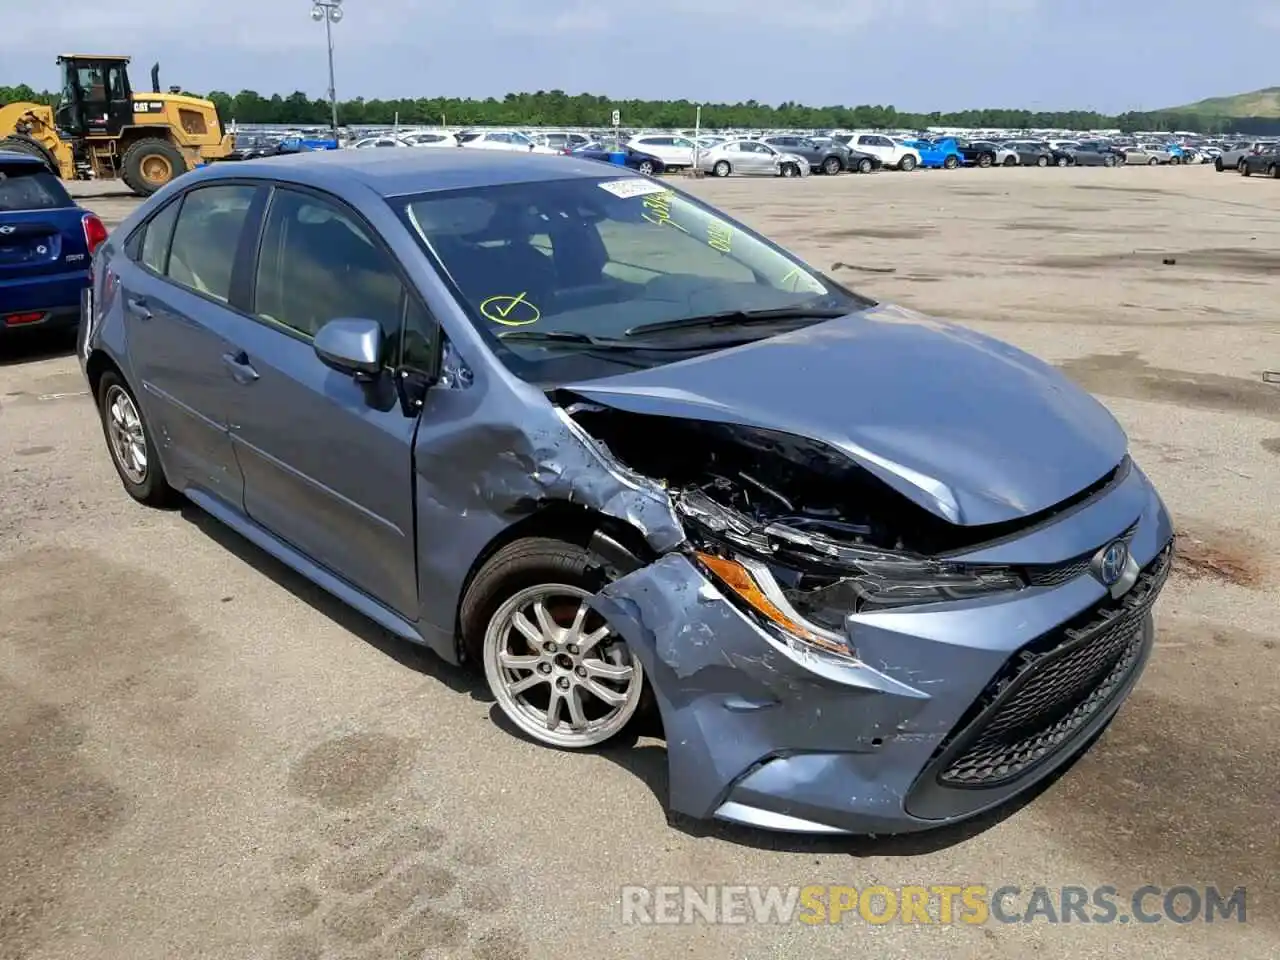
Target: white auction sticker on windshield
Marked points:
632	188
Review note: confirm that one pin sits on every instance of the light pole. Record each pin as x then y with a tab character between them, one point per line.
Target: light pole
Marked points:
330	11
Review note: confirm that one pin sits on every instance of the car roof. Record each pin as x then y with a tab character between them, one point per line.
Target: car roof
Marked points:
14	157
397	173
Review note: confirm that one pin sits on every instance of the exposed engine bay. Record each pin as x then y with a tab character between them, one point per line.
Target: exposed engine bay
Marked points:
835	539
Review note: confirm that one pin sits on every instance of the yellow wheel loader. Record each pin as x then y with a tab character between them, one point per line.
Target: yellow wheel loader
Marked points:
103	130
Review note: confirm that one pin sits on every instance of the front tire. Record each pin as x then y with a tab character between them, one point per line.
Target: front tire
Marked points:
831	166
133	452
1063	162
865	165
1244	169
557	670
986	160
646	167
907	164
151	164
1010	162
789	170
951	162
722	168
1217	164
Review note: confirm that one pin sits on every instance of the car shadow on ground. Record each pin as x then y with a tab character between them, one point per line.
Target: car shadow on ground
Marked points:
411	655
32	346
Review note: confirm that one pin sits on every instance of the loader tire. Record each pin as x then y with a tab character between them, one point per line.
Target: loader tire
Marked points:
150	164
20	143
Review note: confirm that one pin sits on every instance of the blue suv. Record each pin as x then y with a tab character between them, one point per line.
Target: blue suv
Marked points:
47	243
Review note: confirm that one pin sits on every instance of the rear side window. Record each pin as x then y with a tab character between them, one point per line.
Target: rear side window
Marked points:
25	186
205	238
156	236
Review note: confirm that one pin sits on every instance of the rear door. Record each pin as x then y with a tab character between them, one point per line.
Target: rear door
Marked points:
327	461
42	243
177	282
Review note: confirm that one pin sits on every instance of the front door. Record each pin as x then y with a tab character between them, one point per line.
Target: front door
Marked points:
175	289
327	461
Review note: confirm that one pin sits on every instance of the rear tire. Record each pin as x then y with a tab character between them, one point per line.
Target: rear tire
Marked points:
1010	162
1063	162
1217	164
151	164
722	168
1042	161
985	160
1244	169
1273	171
646	167
127	434
1152	162
951	162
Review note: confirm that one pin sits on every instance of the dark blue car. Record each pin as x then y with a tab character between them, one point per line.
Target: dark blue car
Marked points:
46	245
638	160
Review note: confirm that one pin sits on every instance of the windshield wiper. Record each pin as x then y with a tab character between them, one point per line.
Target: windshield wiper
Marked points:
735	318
570	338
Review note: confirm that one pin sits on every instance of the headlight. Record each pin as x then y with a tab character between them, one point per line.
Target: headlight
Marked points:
754	586
886	582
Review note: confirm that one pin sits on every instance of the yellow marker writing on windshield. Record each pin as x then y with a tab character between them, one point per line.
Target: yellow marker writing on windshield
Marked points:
794	276
719	237
510	311
658	210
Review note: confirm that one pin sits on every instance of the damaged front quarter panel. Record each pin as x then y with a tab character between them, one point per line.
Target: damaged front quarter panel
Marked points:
731	695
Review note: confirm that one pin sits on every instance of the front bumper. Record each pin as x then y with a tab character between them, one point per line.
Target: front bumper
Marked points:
950	710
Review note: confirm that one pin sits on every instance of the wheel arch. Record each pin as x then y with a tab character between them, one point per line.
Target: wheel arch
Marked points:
615	543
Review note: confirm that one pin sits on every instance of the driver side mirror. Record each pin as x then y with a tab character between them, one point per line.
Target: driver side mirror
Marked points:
351	346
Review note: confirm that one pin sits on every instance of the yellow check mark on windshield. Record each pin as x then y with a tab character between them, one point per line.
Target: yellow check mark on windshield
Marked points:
502	309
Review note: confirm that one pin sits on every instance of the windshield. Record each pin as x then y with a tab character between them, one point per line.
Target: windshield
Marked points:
26	186
600	261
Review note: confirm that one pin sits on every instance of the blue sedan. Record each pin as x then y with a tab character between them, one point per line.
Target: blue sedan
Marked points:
533	413
637	160
46	244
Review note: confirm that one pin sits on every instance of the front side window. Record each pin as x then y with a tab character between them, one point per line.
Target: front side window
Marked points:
318	264
540	265
206	236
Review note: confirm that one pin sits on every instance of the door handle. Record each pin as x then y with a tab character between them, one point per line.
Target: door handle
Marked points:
138	307
241	369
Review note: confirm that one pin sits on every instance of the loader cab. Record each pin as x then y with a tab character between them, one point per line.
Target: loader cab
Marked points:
96	97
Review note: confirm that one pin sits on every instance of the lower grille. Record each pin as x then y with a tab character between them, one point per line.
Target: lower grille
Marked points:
1052	689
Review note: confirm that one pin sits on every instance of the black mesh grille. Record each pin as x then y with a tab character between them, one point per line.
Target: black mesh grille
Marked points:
1051	690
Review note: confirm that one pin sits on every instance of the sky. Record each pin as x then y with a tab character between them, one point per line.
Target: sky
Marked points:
918	55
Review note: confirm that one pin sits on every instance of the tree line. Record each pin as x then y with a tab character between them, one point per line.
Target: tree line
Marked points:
557	108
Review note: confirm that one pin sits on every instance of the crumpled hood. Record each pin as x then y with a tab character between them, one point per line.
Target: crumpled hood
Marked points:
967	427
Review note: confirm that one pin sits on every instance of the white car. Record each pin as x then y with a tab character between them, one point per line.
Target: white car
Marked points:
673	150
751	157
512	141
384	141
431	139
892	153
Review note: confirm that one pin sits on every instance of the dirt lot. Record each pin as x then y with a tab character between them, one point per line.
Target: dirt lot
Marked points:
202	756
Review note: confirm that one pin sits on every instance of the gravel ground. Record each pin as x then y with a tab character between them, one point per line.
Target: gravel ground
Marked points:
203	756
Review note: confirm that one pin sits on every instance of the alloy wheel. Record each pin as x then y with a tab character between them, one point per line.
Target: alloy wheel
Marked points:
558	670
125	432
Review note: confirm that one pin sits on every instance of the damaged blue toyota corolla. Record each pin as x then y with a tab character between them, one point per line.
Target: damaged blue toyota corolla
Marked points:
875	572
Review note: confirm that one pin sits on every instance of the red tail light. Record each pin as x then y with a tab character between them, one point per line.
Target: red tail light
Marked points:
95	233
15	319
